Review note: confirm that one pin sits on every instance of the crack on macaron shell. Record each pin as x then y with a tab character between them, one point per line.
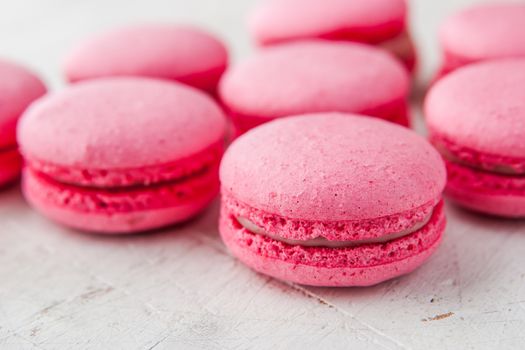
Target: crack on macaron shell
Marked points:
298	229
483	161
120	200
323	242
144	176
484	182
359	256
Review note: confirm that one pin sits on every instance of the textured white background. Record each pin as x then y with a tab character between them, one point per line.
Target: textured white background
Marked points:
179	288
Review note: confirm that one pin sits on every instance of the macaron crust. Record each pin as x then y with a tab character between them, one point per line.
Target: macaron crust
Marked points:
332	199
122	155
377	22
18	89
483	32
164	51
315	76
476	119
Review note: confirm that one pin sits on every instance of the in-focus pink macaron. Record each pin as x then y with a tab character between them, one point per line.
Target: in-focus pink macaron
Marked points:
182	53
332	199
476	117
120	155
377	22
483	32
18	88
315	76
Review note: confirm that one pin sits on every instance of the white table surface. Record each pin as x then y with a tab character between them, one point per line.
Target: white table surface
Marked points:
179	288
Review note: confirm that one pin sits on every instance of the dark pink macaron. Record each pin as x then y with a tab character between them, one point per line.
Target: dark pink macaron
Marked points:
482	32
315	76
18	89
186	54
332	199
378	22
121	155
476	117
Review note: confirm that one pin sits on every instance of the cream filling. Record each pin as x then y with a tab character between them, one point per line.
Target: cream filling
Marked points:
323	242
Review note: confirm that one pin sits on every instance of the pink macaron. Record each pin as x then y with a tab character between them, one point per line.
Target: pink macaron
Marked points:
377	22
18	88
119	155
315	76
476	118
182	53
332	199
483	32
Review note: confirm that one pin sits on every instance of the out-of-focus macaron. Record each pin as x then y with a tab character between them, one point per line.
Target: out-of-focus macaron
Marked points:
18	88
332	199
377	22
482	32
185	54
315	76
476	118
121	155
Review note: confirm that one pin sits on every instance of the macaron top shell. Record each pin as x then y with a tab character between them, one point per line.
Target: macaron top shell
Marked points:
360	20
150	50
485	32
482	107
314	76
332	167
18	88
120	123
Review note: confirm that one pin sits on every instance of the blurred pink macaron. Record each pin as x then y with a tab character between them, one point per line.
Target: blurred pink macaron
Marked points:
332	199
315	76
18	89
476	118
377	22
174	52
482	32
122	155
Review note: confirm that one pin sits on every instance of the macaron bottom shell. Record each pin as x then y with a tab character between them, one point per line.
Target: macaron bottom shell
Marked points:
10	165
363	265
120	210
486	192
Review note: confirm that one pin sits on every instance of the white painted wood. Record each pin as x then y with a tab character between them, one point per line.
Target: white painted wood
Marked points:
179	288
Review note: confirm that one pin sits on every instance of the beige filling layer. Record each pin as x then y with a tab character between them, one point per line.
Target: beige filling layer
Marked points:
323	242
